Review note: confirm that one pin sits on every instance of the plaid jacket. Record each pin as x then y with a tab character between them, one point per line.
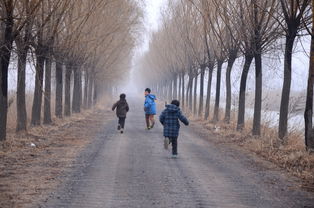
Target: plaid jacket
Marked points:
169	118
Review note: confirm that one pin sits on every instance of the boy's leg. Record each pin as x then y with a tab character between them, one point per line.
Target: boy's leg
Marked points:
122	122
119	123
166	143
174	142
152	119
147	120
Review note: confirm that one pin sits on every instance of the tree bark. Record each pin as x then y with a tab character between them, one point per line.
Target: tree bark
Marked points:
217	97
241	110
231	61
77	91
47	93
67	90
183	89
59	89
190	95
170	93
86	79
90	91
179	89
95	94
175	86
38	93
285	95
308	114
195	94
201	100
5	55
187	93
21	121
209	86
258	95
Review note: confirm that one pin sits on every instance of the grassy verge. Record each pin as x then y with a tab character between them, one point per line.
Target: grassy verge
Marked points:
290	156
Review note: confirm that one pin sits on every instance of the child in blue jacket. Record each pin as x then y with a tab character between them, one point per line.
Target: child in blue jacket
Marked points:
149	108
169	118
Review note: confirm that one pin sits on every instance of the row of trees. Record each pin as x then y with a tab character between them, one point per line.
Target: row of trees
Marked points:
201	35
88	42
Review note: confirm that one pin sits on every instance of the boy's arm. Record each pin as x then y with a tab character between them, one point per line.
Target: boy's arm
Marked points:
127	107
183	119
162	118
114	106
146	104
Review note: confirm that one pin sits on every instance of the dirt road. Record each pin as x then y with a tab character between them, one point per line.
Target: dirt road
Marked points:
133	170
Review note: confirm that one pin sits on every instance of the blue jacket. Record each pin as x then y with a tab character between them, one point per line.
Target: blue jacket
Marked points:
169	118
150	105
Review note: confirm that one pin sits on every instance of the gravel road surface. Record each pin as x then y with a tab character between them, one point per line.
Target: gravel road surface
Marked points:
133	170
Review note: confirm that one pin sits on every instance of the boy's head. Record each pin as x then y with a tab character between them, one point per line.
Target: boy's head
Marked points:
122	96
176	103
147	91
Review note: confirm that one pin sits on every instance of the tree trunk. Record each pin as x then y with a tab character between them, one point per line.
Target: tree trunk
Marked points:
47	94
285	95
170	93
231	61
182	91
179	89
86	79
187	93
241	110
195	95
77	91
258	95
67	90
5	55
209	86
308	114
59	89
190	95
201	100
217	99
38	93
175	86
95	92
90	91
21	121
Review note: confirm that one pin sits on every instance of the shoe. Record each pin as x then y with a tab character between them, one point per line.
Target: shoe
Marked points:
148	128
174	156
119	127
166	143
121	131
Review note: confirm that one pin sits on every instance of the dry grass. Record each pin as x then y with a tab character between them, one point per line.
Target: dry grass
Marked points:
290	155
27	173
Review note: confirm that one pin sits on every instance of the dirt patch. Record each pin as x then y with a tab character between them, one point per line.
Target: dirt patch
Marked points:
32	164
290	156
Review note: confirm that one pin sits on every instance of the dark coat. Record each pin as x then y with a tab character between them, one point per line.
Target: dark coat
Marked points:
150	104
169	118
122	108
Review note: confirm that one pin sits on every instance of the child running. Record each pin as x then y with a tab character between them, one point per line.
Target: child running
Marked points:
150	109
122	109
169	118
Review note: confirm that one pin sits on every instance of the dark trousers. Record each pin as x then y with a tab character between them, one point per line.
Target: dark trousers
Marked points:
122	121
174	144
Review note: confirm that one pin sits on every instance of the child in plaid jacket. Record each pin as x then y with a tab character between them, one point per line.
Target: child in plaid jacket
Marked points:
169	118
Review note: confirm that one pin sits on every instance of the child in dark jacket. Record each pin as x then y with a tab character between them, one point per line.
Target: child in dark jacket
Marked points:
122	108
169	118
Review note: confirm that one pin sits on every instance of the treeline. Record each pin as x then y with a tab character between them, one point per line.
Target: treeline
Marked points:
197	37
89	44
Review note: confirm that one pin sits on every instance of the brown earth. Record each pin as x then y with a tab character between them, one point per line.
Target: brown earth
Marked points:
28	174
